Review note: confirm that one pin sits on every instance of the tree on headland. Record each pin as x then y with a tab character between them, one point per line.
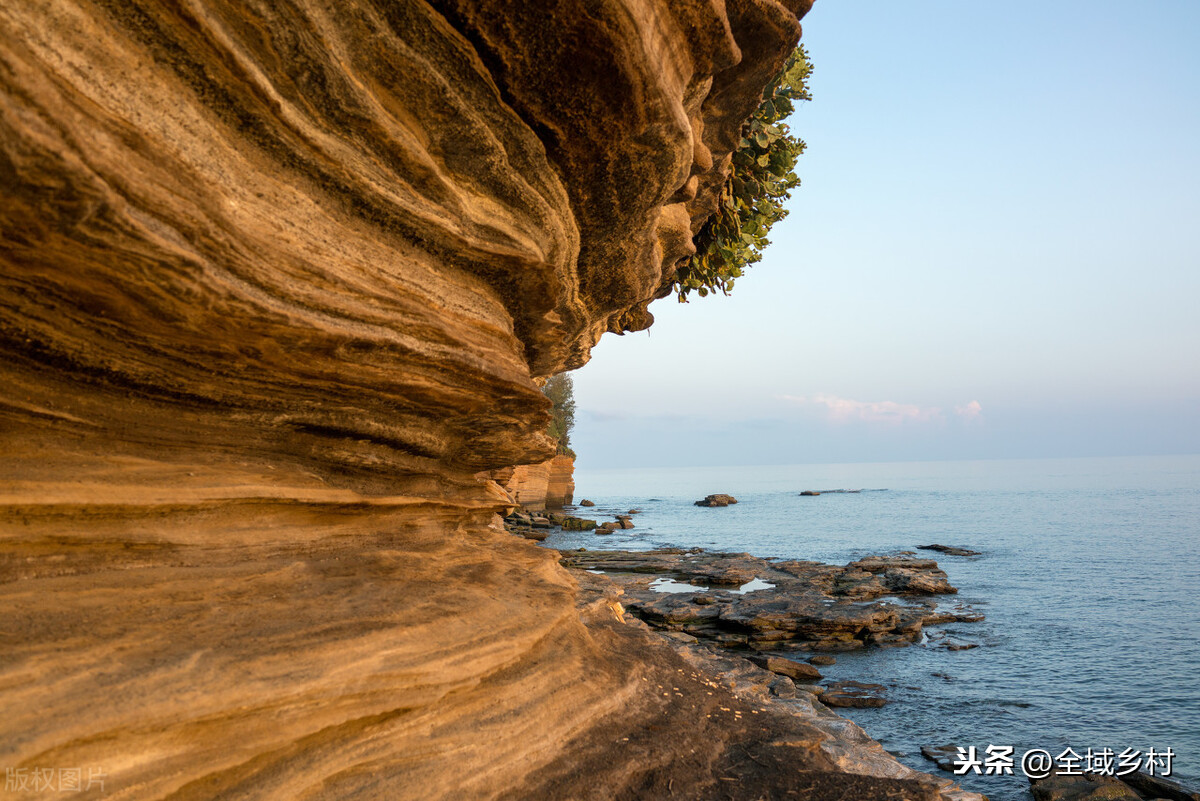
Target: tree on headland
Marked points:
560	389
751	201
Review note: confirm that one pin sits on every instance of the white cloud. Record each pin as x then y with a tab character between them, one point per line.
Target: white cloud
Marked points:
842	410
971	411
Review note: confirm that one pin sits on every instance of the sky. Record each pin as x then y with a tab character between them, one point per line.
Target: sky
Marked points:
994	253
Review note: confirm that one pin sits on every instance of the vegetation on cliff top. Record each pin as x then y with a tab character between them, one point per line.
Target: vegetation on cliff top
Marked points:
751	201
560	389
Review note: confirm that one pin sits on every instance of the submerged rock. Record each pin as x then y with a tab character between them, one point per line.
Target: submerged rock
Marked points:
853	694
945	756
949	549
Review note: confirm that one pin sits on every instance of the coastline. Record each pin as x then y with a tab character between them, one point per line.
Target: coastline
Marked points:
1042	679
745	631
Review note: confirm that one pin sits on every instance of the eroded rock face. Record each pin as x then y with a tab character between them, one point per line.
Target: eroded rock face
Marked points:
276	282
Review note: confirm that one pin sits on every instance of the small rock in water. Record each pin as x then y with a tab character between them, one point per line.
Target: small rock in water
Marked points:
949	549
810	493
719	499
822	659
578	524
960	645
586	502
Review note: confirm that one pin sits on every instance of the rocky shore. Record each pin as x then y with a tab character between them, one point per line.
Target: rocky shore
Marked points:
747	630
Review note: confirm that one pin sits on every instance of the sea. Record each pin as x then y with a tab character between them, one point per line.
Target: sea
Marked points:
1088	573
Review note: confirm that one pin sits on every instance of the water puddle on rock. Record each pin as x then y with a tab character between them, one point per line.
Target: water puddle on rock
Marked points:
664	584
752	585
671	585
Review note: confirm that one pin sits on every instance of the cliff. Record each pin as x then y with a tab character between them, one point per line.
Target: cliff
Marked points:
276	280
545	485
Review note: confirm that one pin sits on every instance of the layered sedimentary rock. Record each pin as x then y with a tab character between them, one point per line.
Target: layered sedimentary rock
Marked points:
276	280
545	485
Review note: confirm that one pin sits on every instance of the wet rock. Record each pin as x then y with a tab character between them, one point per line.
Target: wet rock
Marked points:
810	493
607	528
949	549
624	521
716	500
853	694
1160	787
586	502
578	524
634	511
538	534
821	659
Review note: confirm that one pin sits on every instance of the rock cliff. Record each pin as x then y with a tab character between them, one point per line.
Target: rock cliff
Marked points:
276	280
545	485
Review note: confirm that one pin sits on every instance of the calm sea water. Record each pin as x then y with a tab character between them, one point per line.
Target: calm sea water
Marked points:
1090	580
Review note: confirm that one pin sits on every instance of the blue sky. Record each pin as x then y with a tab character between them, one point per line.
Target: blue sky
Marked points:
995	252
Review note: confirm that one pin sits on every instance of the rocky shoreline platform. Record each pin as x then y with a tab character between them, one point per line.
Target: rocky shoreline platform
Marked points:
744	624
742	601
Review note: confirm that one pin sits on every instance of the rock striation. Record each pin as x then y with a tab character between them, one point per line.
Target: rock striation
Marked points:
276	282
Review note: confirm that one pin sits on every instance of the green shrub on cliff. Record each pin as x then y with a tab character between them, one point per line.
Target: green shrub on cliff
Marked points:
560	389
751	201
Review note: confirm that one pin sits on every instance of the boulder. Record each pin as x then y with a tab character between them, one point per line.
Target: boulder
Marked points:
578	524
586	502
1159	787
717	500
797	671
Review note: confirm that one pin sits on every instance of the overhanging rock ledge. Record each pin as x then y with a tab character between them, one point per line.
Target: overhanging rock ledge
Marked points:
276	280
